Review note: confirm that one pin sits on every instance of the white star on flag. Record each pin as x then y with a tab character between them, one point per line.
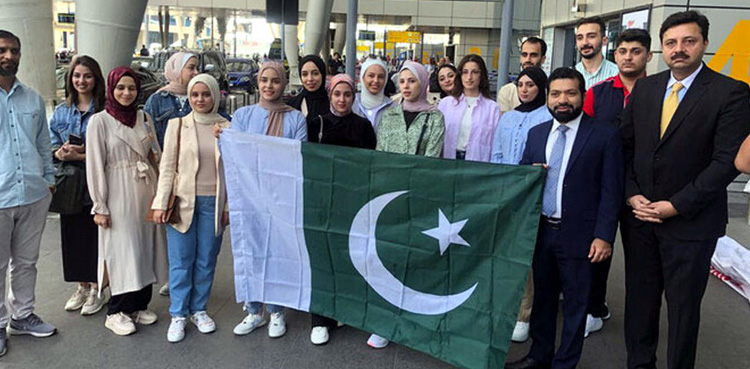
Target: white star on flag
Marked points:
446	232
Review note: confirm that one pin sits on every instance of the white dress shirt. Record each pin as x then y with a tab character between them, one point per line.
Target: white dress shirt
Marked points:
570	137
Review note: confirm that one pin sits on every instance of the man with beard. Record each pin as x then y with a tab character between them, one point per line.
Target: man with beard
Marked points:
533	54
581	201
604	102
26	180
681	132
590	37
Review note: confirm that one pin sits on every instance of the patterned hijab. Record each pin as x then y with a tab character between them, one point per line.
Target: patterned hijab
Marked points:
276	106
124	114
173	72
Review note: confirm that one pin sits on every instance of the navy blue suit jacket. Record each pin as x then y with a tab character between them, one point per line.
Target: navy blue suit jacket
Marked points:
593	185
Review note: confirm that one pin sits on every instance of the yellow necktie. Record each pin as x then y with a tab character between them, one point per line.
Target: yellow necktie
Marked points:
669	107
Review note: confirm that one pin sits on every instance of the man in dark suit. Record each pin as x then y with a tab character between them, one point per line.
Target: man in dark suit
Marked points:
582	198
681	131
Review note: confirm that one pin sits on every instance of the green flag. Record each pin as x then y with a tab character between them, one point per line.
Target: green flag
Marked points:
430	253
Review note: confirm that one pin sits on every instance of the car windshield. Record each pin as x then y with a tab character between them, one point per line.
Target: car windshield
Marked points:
240	66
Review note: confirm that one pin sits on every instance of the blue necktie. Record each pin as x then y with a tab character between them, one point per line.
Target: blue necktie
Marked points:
549	202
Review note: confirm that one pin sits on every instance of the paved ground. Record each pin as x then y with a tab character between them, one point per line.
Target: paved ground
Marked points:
84	342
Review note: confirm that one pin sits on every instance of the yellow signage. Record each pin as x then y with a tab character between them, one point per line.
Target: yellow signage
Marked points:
363	48
405	37
737	48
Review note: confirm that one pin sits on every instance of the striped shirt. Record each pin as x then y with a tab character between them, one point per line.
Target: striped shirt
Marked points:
606	70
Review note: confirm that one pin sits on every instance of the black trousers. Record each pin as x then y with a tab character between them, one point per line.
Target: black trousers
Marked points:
657	264
130	302
79	239
322	321
554	272
599	279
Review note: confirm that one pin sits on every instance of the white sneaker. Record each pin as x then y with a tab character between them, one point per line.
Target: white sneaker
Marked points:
520	332
249	324
94	303
377	342
319	335
176	331
277	328
164	290
78	299
145	317
121	324
203	322
592	325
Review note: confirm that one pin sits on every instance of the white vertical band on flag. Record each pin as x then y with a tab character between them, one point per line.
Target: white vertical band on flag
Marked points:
266	202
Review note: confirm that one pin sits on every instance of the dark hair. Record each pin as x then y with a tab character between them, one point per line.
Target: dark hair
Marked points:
567	73
484	81
99	92
690	16
635	35
594	20
536	40
436	86
9	35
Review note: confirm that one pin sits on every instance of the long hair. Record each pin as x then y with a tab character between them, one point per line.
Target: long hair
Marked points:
99	92
484	81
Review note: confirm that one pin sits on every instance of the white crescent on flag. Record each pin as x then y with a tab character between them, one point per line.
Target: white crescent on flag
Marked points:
364	254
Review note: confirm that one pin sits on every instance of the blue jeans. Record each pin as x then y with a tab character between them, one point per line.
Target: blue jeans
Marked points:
192	260
255	308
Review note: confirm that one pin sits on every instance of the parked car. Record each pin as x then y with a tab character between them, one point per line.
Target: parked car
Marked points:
242	74
150	82
214	63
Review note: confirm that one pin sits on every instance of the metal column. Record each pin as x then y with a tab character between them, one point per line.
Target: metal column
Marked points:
506	33
351	37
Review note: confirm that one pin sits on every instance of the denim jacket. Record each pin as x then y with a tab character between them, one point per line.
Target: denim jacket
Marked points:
163	106
67	120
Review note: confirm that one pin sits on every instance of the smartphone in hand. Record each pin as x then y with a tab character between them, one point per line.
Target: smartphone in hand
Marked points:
75	140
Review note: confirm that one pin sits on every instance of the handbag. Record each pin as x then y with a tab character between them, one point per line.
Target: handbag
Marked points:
173	216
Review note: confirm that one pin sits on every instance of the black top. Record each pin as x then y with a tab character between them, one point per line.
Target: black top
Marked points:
350	130
409	117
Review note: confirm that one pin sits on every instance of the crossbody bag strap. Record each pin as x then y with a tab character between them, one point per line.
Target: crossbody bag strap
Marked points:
320	134
421	134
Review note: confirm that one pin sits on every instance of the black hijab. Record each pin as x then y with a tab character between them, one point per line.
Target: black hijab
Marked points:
317	101
540	80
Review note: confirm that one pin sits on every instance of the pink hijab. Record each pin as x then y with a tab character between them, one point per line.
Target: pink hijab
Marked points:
173	72
335	81
423	75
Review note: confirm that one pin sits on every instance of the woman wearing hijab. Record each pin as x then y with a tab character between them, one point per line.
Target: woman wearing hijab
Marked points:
78	233
270	117
510	135
470	115
313	99
193	243
121	173
371	102
507	148
341	127
415	126
171	100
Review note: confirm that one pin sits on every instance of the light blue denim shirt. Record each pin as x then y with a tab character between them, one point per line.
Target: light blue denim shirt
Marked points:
67	120
254	119
26	169
512	131
163	106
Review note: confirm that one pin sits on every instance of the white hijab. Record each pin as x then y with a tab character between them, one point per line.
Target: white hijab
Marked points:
213	86
369	100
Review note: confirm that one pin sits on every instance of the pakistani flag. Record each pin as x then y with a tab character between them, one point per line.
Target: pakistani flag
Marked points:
430	253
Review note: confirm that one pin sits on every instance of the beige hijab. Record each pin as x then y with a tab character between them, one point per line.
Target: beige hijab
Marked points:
213	86
276	107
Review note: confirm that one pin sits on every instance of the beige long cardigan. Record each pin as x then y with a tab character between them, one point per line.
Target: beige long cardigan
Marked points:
121	181
184	185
